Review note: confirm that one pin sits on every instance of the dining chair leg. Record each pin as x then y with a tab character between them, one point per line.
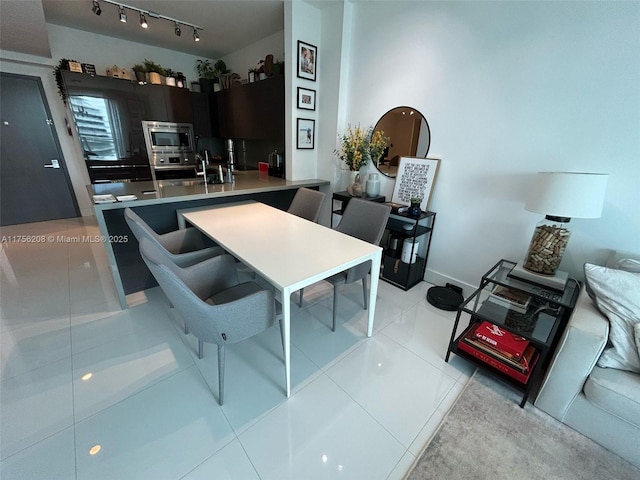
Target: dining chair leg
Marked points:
301	293
365	293
200	349
335	306
220	374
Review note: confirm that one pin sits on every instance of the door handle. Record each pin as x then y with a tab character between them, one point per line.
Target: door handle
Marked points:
53	164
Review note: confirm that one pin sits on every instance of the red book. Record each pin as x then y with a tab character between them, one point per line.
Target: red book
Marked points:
501	339
498	365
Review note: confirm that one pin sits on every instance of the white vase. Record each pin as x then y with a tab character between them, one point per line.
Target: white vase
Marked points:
373	185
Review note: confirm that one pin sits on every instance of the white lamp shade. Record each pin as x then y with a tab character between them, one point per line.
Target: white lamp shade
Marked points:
568	194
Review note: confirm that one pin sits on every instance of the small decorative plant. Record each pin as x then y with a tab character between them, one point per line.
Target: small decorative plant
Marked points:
205	69
63	64
139	70
220	69
153	67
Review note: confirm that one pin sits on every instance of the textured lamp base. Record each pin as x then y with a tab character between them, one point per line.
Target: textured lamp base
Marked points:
547	246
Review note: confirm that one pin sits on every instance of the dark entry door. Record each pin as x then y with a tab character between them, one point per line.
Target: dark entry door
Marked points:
34	184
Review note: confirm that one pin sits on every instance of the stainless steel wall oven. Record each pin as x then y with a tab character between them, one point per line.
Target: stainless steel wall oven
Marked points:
171	149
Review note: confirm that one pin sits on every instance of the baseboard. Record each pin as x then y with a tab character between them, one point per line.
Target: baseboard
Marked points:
437	278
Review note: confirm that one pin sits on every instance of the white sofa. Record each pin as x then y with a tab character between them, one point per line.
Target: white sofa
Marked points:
601	403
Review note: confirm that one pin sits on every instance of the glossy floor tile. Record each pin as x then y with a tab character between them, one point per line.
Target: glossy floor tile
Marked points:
89	391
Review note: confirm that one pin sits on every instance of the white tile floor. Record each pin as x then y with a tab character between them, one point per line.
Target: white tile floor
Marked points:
361	408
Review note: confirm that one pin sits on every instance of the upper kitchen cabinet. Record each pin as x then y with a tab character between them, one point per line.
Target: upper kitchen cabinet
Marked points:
254	111
161	103
205	116
177	103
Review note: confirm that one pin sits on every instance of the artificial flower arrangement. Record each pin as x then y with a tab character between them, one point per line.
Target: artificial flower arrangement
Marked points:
357	146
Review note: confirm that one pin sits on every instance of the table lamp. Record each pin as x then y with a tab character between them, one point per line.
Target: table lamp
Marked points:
560	196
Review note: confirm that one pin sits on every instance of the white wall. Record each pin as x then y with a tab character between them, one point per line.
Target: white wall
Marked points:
241	61
508	89
302	22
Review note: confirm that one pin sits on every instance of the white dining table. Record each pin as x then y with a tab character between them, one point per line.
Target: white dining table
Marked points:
288	251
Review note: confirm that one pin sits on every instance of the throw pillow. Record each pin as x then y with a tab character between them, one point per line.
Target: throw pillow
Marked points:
617	296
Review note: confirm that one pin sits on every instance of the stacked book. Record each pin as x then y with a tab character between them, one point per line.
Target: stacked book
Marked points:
515	300
503	350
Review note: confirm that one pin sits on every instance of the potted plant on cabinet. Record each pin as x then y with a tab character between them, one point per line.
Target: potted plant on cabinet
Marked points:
155	71
170	77
63	64
140	72
206	75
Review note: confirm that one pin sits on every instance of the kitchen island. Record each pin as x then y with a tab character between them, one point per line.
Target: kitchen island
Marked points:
157	203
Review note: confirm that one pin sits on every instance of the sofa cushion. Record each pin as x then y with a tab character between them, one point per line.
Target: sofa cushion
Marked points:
617	296
615	391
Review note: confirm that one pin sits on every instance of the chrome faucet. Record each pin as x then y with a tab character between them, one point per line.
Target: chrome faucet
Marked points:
230	161
203	161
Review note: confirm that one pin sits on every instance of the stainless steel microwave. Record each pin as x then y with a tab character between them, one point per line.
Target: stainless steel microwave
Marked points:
169	145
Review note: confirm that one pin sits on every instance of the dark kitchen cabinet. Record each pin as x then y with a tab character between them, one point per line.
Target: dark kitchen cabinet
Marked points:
254	111
177	103
205	118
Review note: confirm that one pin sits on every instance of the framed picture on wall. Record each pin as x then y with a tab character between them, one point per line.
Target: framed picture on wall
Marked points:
306	98
415	179
306	130
307	60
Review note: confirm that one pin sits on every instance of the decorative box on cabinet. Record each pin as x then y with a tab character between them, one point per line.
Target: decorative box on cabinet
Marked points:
406	243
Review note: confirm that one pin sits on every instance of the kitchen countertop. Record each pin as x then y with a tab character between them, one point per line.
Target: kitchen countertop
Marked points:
168	191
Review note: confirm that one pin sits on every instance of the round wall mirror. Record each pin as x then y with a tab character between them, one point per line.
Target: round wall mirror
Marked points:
409	136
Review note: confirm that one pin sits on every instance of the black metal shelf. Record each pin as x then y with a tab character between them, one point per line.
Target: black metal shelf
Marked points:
547	317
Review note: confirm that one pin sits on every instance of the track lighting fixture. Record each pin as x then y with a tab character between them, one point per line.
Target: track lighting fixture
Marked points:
122	14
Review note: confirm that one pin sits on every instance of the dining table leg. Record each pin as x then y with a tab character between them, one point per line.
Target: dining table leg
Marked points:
286	335
376	259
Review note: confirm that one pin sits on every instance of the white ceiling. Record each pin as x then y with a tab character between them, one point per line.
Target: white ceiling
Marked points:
228	25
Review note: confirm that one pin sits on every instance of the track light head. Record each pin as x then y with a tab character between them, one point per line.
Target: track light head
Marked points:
143	21
123	15
196	37
96	8
177	30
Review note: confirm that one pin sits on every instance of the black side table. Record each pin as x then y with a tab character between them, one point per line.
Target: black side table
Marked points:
542	321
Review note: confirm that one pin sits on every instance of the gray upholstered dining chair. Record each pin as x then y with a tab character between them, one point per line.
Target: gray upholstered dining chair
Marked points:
307	204
185	247
217	308
365	220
